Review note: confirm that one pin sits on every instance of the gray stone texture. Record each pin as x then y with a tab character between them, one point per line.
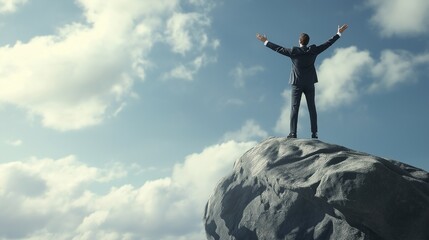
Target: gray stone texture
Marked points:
308	189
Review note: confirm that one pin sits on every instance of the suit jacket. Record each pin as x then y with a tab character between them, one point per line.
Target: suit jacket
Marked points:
303	58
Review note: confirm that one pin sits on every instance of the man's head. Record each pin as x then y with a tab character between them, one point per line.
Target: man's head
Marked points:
304	39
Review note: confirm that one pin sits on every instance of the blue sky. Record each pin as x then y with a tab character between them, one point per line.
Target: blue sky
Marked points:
119	117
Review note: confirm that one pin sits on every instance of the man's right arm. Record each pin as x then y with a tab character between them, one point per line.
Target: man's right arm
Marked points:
273	46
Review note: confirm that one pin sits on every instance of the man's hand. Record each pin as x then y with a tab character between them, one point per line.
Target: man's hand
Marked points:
261	37
342	28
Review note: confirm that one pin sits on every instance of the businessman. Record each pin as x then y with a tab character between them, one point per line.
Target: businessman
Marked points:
303	75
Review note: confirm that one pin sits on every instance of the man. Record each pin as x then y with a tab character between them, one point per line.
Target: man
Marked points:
303	75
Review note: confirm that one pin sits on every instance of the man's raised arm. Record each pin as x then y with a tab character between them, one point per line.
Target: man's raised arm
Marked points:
273	46
342	28
327	44
262	38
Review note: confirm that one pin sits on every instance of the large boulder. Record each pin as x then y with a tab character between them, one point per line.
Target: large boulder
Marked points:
307	189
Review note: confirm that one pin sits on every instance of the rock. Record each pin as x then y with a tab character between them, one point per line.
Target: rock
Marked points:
308	189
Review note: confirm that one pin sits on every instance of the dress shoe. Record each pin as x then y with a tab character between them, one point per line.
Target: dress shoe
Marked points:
291	135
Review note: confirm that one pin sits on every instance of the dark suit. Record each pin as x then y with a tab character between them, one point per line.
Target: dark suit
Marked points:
303	76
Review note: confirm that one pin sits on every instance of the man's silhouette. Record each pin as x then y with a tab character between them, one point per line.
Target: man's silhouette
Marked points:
303	75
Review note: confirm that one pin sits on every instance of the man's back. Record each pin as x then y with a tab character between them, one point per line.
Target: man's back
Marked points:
303	70
303	58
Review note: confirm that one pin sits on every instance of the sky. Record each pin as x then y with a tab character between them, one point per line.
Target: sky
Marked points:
119	117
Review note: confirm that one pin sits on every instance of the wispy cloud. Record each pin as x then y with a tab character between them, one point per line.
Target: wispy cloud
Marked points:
189	70
400	17
10	6
397	67
250	131
234	102
185	29
14	143
241	73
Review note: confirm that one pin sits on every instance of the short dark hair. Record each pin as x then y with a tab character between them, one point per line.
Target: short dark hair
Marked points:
304	39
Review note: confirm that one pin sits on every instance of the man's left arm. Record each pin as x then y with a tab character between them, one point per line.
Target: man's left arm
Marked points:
331	41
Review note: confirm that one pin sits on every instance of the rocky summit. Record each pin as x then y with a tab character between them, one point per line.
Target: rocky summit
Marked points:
308	189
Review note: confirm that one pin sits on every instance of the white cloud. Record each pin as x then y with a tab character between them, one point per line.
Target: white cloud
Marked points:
185	29
401	17
241	73
200	172
188	71
51	199
396	67
68	80
235	102
9	6
249	131
181	72
14	143
283	123
86	72
40	193
339	77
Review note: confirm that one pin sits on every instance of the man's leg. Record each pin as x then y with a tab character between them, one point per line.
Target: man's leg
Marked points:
310	95
296	94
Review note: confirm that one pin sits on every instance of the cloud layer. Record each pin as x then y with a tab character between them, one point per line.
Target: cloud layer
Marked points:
51	199
86	72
